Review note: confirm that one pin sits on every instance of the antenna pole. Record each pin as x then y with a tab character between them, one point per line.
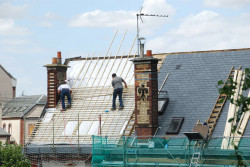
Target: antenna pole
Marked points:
137	35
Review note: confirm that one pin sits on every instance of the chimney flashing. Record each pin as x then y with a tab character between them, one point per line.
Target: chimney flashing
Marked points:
144	60
56	65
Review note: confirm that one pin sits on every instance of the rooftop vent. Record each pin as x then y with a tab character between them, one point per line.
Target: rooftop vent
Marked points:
178	67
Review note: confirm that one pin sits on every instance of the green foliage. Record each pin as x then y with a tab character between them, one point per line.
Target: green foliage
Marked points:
242	102
231	119
12	156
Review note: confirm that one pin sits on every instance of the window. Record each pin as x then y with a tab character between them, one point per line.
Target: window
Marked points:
175	125
162	104
10	129
4	126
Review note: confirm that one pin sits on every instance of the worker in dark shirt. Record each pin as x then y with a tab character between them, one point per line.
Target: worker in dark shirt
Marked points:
118	89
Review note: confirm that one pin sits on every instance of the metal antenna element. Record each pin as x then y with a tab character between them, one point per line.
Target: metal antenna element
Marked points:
138	29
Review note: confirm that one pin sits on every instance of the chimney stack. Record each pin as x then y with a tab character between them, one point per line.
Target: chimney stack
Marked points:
146	95
56	75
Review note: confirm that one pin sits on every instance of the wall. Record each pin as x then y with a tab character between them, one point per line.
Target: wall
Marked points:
15	124
3	139
31	119
6	88
28	128
1	111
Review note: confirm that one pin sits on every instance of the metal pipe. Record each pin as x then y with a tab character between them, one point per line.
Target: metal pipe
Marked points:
141	50
163	83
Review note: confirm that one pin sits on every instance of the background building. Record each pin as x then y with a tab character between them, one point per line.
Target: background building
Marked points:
20	115
7	86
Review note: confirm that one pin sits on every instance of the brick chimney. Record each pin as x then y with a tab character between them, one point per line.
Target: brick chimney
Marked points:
146	95
56	74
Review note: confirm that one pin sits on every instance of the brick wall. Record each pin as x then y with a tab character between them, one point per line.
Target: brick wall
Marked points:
55	76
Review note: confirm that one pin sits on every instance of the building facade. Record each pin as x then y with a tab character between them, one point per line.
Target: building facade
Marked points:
20	115
7	86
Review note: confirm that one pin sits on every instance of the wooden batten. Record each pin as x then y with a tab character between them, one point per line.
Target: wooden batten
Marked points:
228	135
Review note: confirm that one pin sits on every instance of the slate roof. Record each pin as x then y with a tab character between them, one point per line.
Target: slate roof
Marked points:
3	132
19	106
192	89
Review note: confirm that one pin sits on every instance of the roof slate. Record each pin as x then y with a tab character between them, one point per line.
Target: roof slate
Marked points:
192	89
3	132
19	106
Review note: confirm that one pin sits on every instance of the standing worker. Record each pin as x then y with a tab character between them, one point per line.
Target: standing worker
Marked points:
118	89
65	90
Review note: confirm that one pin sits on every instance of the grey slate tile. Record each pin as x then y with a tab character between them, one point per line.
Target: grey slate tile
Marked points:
192	90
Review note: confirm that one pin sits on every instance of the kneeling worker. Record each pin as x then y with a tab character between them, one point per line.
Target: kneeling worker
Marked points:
65	90
118	89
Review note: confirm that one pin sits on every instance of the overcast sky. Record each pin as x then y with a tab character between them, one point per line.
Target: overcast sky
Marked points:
32	31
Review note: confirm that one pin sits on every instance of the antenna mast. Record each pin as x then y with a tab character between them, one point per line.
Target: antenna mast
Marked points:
137	18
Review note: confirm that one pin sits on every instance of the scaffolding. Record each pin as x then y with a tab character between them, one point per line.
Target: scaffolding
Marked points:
162	151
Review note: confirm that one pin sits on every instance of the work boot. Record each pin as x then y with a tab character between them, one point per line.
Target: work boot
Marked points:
113	109
69	106
120	108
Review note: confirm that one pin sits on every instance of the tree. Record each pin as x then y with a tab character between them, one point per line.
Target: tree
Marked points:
11	156
242	102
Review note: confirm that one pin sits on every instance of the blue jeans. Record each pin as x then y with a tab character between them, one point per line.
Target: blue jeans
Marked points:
65	92
117	91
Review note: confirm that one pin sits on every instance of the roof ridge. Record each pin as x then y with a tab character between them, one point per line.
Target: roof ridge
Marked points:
206	51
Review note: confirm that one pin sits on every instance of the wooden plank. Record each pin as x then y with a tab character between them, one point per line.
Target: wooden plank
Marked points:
226	143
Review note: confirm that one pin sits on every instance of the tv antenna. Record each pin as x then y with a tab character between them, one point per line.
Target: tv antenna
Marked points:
137	18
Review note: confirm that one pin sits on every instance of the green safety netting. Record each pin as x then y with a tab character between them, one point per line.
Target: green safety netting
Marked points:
134	151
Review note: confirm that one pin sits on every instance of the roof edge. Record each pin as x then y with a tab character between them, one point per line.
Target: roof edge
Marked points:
7	72
206	51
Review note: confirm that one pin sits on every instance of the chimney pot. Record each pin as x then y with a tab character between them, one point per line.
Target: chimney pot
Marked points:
54	60
59	58
59	55
149	53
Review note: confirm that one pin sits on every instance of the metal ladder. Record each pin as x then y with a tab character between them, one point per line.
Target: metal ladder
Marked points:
198	148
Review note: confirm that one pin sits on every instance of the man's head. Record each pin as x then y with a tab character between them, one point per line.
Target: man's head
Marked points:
113	75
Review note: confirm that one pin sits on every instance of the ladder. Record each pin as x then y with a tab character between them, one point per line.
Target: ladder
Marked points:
130	128
198	148
213	118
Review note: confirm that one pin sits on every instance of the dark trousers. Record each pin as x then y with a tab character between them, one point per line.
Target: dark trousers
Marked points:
118	92
65	92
